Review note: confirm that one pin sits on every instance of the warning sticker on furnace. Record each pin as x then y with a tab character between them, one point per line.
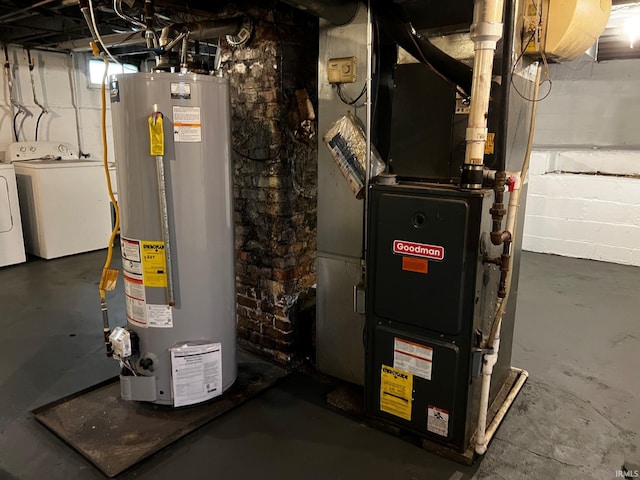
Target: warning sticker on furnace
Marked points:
154	264
396	392
413	358
438	421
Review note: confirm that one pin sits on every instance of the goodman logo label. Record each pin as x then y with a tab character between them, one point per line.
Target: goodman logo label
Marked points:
432	252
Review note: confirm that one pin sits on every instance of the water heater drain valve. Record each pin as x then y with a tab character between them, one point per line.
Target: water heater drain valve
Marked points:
120	339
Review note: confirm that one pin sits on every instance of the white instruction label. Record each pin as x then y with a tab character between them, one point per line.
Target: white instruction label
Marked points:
133	286
136	312
196	373
413	358
130	249
438	421
132	267
159	316
187	126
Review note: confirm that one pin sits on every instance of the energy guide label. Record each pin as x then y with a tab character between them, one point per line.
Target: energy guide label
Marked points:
396	392
154	266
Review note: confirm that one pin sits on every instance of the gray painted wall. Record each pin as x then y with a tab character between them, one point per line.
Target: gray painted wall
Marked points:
589	123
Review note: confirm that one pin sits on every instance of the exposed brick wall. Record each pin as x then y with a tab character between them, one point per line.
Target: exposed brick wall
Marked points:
275	176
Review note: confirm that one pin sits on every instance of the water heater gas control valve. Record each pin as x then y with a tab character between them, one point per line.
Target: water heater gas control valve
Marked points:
120	340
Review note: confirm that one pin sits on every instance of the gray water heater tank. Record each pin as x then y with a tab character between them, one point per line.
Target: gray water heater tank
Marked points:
183	353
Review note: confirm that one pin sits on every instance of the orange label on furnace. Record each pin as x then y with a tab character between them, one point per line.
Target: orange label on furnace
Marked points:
418	265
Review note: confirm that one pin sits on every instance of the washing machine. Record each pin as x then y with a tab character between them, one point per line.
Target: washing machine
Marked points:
11	240
64	202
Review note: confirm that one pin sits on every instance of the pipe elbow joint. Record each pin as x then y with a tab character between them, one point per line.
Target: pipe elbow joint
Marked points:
498	238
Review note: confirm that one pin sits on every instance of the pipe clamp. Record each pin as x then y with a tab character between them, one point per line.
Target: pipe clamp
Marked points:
476	134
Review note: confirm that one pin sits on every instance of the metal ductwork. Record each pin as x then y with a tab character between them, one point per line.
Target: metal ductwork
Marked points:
338	12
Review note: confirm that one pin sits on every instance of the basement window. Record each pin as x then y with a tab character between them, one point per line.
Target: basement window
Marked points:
96	71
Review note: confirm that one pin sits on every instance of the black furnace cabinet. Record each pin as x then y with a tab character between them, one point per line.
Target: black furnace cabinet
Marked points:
429	297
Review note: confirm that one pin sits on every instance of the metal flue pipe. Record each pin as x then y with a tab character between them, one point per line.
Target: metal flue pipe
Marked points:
486	30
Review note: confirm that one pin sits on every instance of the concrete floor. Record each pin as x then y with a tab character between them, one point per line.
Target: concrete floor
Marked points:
578	417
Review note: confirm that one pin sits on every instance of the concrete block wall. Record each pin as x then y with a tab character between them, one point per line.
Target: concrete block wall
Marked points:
584	184
582	215
61	86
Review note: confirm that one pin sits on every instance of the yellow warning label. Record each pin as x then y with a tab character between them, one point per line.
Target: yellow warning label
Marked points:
154	264
490	144
396	392
156	135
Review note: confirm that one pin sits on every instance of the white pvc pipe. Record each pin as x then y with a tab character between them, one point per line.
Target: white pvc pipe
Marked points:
483	436
487	370
486	30
513	393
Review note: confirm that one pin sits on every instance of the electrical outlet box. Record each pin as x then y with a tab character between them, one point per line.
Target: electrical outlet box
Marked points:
342	70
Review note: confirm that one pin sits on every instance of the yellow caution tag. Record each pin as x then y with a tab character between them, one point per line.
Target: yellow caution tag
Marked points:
154	264
396	392
156	134
490	144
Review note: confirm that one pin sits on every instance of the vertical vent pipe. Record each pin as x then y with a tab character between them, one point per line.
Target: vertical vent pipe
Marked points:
486	30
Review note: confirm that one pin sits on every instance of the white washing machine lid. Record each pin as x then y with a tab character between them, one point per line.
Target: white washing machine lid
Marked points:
44	164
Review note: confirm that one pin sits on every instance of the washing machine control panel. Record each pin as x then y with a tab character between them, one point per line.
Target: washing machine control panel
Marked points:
21	151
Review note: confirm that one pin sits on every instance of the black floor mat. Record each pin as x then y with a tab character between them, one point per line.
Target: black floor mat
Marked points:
114	434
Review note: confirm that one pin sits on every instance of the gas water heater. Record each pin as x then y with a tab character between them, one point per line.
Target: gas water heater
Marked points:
173	156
